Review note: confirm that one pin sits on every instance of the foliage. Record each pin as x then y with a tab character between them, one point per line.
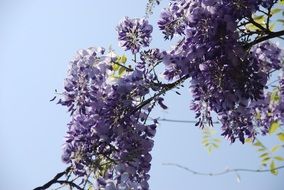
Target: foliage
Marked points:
208	140
269	156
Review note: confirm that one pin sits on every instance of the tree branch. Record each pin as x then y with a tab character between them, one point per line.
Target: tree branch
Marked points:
181	121
222	172
251	20
267	37
70	183
126	68
166	87
54	180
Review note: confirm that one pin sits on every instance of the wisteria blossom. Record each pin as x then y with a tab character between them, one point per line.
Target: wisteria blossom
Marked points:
226	76
104	130
133	34
228	68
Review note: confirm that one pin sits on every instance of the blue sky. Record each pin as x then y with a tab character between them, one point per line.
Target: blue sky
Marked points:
37	40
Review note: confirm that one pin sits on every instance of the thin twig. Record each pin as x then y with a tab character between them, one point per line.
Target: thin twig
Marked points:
87	180
181	121
126	68
259	26
70	183
54	180
267	37
166	88
269	84
268	16
222	172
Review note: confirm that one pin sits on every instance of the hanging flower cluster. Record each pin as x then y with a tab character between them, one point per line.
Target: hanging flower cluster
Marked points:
226	75
106	131
228	67
134	34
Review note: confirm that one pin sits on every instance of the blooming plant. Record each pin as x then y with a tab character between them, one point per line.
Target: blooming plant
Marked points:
223	48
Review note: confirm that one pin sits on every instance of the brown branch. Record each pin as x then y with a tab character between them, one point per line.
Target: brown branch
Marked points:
267	37
55	180
70	183
128	69
259	25
166	87
222	172
181	121
268	16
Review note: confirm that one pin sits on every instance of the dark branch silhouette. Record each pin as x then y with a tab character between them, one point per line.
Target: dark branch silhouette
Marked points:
264	38
56	180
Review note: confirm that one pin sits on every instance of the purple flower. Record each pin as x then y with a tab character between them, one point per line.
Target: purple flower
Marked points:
134	34
109	126
104	126
226	78
269	54
268	3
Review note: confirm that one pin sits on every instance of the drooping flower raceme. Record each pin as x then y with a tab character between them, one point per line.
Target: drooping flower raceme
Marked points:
271	109
106	130
226	76
269	54
134	34
109	134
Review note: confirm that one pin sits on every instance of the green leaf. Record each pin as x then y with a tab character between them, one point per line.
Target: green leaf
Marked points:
121	71
281	2
281	136
258	143
206	144
273	169
208	141
251	27
279	158
275	96
258	17
123	59
248	140
215	145
205	141
275	148
217	140
257	116
275	11
272	27
115	67
265	160
261	149
273	127
265	155
260	20
281	20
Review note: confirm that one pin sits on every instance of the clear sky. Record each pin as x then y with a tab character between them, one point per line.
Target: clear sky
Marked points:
37	40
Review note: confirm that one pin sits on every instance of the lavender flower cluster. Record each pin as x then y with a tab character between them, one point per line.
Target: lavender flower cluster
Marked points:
226	76
270	110
109	135
134	34
106	131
